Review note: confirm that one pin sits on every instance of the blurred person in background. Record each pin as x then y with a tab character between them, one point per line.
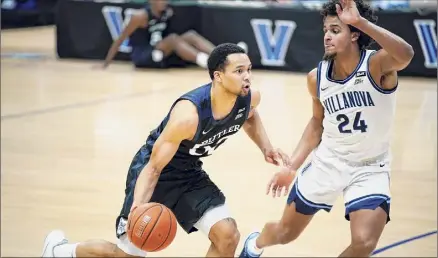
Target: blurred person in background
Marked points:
153	49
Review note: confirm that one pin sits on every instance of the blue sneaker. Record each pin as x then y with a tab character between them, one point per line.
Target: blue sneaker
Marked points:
246	252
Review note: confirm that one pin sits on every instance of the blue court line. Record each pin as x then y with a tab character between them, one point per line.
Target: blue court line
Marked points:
379	250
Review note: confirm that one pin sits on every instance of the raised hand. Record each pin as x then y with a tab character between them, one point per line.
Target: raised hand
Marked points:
348	12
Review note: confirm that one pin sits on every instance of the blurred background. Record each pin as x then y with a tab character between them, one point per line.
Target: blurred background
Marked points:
83	31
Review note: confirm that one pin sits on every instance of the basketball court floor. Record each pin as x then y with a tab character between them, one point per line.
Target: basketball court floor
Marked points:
69	132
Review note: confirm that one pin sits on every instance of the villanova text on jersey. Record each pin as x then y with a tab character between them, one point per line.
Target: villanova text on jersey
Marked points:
347	100
358	114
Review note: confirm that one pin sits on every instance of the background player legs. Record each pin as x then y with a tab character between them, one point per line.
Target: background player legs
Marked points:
224	237
174	43
289	228
199	42
366	228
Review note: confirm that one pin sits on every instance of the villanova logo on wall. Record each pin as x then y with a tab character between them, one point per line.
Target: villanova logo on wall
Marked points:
116	23
427	36
273	46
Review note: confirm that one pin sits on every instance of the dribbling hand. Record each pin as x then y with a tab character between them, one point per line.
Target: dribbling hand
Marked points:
281	181
133	207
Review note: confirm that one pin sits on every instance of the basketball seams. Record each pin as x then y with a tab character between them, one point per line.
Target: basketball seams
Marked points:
158	236
140	216
168	232
152	229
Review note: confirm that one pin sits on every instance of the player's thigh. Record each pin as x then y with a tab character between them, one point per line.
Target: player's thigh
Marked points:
367	204
369	190
317	186
168	44
202	205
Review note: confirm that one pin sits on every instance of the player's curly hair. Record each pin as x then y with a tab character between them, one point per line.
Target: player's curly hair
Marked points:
218	57
365	10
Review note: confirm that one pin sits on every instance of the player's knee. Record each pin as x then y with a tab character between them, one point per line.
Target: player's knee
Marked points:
173	39
363	244
225	236
190	34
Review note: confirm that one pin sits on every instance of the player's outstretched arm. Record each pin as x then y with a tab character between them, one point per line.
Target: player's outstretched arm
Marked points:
253	126
395	54
137	20
313	132
182	125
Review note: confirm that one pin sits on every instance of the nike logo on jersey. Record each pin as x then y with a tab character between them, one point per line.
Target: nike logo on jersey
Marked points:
347	100
323	89
238	116
360	74
382	165
206	132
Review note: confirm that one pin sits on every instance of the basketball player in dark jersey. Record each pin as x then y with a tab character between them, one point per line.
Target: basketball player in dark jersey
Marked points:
167	169
152	43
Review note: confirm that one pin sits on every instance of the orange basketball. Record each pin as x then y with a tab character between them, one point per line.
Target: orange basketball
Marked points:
152	227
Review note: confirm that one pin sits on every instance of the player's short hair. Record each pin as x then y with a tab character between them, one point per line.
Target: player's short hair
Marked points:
365	10
218	57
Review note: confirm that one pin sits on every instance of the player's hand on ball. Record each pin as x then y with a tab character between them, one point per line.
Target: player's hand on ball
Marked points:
133	207
281	181
276	157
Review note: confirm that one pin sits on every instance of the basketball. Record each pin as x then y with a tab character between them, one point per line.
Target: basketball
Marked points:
152	227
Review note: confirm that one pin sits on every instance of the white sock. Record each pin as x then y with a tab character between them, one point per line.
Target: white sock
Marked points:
252	247
65	250
202	59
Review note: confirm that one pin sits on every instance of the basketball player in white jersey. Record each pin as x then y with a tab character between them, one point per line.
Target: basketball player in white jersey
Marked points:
348	136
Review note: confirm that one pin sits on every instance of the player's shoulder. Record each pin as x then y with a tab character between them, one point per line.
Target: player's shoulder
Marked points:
313	75
141	16
255	97
312	81
184	116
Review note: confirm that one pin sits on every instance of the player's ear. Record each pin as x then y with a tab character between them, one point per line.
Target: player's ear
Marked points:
217	76
355	36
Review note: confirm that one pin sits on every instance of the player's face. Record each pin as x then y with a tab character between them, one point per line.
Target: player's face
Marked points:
237	74
337	37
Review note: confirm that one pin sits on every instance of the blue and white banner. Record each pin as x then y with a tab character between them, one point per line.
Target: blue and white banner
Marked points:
284	39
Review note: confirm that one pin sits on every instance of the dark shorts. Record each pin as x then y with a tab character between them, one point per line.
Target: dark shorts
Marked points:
188	193
141	56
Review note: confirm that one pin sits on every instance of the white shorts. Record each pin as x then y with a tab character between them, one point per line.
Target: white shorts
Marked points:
319	183
204	224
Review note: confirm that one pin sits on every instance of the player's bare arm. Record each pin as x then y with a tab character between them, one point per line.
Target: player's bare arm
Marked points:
255	130
310	139
396	53
138	20
313	131
182	125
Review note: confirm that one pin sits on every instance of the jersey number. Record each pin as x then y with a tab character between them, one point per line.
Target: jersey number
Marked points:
358	124
206	150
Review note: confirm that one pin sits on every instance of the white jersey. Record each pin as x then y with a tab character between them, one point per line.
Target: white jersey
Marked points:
358	114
